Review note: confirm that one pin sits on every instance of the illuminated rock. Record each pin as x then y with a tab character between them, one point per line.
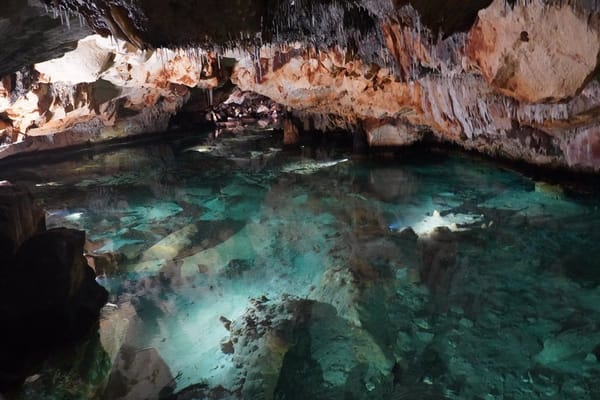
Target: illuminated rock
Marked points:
534	51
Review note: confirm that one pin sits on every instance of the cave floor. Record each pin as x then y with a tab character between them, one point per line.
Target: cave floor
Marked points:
237	269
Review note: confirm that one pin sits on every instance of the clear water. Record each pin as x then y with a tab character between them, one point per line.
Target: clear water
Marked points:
329	296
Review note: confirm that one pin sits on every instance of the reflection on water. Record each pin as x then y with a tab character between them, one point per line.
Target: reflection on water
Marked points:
239	271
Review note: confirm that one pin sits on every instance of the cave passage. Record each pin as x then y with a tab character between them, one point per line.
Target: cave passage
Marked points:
240	269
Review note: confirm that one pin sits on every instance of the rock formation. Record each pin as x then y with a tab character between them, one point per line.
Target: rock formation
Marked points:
512	79
48	294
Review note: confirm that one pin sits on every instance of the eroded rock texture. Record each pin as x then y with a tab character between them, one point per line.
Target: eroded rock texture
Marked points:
515	79
101	90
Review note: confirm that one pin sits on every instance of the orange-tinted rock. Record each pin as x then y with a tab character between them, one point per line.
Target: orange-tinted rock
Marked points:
535	52
102	90
323	82
458	107
291	134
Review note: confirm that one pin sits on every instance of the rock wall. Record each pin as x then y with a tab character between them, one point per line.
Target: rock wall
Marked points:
526	95
104	89
514	79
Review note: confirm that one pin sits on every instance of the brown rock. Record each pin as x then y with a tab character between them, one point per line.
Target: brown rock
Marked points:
535	52
227	347
105	263
226	322
291	134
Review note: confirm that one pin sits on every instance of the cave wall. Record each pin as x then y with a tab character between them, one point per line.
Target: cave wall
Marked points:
514	79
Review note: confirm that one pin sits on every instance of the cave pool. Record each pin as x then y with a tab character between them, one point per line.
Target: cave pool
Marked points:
240	269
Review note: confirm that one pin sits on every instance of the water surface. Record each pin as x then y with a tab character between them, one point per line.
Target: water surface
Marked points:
238	270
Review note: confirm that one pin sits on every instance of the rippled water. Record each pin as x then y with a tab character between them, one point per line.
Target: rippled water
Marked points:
238	270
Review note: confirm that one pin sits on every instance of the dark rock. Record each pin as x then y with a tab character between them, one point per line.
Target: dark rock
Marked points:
48	297
291	134
26	25
20	218
226	322
138	374
201	391
227	347
446	17
105	263
300	349
237	267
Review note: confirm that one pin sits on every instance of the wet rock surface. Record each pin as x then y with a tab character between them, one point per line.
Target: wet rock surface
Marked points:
102	90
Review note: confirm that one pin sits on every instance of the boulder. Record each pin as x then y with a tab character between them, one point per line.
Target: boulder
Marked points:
48	297
533	51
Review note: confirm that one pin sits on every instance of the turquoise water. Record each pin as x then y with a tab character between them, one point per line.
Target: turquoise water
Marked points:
238	270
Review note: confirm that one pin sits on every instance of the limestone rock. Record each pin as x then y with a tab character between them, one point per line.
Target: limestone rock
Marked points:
82	65
390	133
102	90
518	84
533	51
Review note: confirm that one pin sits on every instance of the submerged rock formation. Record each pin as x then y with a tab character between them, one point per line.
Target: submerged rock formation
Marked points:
514	79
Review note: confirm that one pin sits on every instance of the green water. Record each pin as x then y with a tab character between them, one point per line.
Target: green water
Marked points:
329	296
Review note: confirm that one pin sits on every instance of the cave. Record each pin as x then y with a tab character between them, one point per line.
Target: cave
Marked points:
304	199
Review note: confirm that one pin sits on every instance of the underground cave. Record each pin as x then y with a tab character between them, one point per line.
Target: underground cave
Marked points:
308	199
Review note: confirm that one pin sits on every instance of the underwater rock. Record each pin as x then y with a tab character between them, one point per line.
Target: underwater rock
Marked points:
50	289
339	287
439	264
105	263
274	340
138	374
570	350
192	239
331	359
119	326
